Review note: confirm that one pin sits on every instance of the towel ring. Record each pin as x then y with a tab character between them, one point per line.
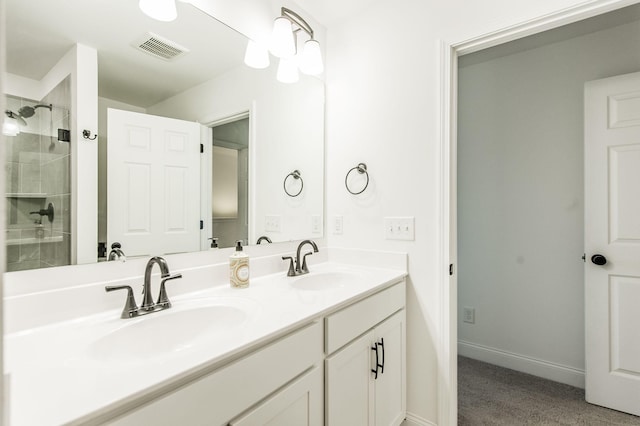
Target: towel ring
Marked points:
361	168
295	175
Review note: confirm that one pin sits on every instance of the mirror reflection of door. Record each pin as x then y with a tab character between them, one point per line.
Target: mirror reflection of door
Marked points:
230	183
153	192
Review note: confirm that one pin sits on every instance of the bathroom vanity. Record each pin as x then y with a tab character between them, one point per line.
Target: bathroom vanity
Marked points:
326	347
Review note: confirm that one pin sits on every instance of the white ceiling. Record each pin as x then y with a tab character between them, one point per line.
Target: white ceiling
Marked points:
331	12
40	32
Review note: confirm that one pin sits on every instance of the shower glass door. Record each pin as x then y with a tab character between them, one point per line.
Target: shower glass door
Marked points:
38	197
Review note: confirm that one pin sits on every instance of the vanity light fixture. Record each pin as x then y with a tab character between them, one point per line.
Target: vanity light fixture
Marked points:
10	125
161	10
283	45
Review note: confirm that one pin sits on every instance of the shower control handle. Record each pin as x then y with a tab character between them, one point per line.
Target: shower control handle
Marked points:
49	212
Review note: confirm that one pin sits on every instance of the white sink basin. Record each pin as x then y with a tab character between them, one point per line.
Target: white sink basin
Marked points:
318	281
170	331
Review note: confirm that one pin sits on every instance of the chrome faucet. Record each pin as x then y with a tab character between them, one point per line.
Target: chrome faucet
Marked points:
116	253
131	310
264	238
300	264
147	299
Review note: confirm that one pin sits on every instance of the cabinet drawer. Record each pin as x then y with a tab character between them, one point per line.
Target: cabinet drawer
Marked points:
219	396
349	323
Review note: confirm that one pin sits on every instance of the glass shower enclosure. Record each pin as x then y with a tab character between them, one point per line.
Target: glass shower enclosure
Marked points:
38	184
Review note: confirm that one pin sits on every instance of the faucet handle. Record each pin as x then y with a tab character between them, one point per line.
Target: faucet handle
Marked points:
292	270
130	308
304	269
163	299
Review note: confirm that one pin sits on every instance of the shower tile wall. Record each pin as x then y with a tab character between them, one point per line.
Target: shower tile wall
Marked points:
37	173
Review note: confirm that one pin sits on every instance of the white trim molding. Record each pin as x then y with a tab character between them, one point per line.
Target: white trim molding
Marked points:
413	420
447	352
449	52
525	364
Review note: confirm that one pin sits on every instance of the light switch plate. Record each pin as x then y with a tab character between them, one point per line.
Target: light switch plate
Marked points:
272	223
399	228
337	225
316	224
469	315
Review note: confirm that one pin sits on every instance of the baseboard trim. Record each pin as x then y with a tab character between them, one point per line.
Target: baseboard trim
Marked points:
413	420
537	367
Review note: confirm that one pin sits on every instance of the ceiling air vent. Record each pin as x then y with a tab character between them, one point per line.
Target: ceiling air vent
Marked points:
159	47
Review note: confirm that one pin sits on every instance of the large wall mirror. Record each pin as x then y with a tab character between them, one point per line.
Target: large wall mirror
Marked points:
258	170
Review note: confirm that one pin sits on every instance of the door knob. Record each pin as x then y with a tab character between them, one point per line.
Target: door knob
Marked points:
599	259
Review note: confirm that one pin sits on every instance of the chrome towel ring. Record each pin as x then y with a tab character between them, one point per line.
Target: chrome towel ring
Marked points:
361	168
296	176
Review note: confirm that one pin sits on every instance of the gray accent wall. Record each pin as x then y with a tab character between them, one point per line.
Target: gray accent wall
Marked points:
520	198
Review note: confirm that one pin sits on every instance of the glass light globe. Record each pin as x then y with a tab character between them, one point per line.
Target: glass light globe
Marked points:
10	127
282	43
311	59
256	56
288	70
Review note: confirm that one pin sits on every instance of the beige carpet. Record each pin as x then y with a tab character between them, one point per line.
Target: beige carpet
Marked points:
491	395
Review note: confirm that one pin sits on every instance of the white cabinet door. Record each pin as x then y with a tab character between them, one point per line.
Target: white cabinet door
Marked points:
298	404
390	399
153	192
355	394
349	386
612	230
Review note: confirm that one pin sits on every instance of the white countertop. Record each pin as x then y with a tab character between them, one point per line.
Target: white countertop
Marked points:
64	373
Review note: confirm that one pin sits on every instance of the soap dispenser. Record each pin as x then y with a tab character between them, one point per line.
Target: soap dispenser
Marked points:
214	243
239	268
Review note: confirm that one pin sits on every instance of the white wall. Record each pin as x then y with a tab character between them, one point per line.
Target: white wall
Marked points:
520	199
383	108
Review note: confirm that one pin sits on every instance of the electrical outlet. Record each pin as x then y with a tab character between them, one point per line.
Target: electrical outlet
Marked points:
399	228
316	224
272	223
469	315
337	225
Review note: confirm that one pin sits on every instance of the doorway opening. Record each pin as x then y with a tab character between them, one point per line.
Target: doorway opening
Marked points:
230	183
491	221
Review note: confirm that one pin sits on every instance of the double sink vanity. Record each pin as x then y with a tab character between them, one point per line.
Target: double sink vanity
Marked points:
324	347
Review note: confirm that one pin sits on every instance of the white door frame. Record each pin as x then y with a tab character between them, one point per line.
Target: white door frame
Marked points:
206	169
449	52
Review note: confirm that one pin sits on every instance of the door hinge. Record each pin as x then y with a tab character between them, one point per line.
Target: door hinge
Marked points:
201	148
451	269
202	224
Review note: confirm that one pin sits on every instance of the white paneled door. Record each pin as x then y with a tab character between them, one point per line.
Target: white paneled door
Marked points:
153	188
612	242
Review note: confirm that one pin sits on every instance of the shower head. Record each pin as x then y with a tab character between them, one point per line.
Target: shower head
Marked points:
15	116
28	111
